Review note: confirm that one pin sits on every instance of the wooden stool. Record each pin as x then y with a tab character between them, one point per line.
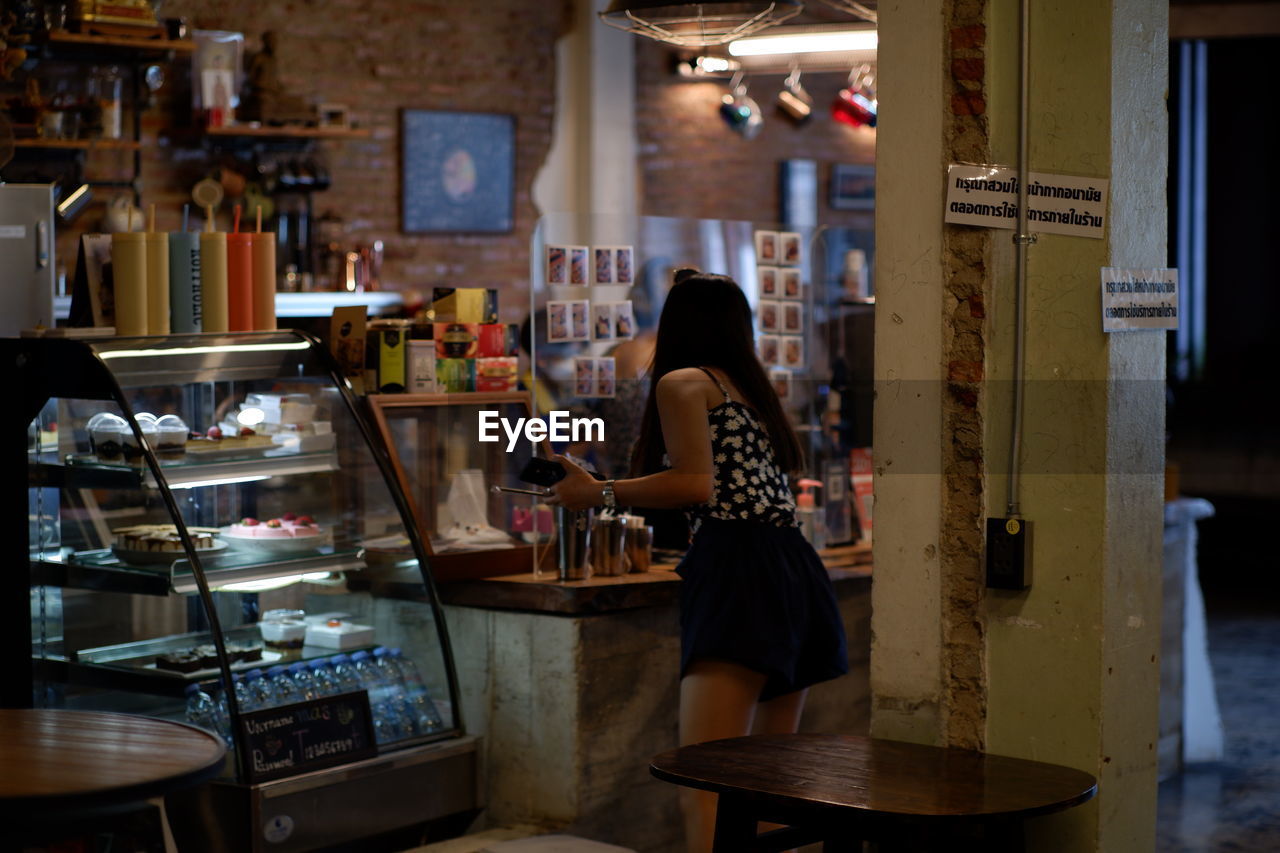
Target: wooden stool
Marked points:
842	790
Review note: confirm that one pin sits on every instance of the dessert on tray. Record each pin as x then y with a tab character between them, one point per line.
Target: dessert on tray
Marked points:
159	538
288	421
217	440
206	657
287	526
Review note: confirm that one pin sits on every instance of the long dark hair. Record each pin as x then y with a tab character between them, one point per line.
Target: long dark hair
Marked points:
706	322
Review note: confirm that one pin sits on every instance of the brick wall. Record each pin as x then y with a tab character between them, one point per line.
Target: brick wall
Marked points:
378	57
381	56
693	165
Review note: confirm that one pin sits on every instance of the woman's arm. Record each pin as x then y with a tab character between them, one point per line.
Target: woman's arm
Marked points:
682	409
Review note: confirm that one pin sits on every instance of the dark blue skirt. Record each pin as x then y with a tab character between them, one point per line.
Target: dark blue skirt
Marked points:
757	595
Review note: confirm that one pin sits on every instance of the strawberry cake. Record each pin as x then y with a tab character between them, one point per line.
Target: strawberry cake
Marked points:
287	526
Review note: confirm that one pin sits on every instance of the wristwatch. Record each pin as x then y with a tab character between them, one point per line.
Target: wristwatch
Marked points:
610	501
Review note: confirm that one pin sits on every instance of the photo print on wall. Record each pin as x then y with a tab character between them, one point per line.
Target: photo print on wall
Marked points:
766	247
768	280
770	320
567	320
769	345
789	248
789	283
612	265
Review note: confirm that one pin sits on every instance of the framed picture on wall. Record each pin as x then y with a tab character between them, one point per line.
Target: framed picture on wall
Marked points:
458	172
853	187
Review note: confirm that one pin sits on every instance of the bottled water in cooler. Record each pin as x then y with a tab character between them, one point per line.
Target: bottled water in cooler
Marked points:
286	691
303	683
390	723
204	712
322	675
424	710
344	674
244	696
260	691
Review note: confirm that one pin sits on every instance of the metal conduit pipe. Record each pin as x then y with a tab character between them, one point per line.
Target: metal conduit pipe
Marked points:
1021	241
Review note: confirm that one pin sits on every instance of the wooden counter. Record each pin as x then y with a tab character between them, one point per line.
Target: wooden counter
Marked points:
544	593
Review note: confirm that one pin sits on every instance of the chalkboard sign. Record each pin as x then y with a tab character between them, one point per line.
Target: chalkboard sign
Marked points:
307	735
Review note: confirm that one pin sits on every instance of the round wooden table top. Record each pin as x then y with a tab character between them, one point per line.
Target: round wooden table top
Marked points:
72	761
884	777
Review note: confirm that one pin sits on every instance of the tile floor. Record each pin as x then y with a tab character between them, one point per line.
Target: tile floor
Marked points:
1234	806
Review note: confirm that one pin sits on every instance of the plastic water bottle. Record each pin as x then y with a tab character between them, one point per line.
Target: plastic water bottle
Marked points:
260	690
388	721
286	691
425	711
344	674
396	696
303	682
322	675
244	698
223	715
202	711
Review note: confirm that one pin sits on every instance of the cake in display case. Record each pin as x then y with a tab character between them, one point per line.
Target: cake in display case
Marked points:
202	511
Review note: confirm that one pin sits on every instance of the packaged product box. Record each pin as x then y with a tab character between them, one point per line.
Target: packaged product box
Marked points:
386	356
456	375
496	374
498	339
347	343
464	305
422	367
457	340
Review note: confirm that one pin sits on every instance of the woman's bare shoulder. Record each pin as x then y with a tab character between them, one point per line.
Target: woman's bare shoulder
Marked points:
685	380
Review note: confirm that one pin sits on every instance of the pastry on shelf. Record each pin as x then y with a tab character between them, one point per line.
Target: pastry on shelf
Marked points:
163	537
217	441
288	526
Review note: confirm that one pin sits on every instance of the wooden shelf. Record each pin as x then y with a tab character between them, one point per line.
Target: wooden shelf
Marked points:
300	132
62	37
80	144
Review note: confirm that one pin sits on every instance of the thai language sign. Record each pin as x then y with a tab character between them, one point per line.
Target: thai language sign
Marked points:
1056	204
1139	299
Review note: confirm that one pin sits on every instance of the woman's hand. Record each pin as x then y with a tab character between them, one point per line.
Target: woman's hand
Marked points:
578	489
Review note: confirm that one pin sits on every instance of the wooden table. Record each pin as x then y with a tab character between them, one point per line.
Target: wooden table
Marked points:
57	765
843	789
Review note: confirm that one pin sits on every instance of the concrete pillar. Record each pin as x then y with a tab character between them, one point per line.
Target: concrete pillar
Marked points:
1067	671
591	167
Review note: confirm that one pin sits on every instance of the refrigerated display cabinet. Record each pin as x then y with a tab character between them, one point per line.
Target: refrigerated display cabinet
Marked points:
180	488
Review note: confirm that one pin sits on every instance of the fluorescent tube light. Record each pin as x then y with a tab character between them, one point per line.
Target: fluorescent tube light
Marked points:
219	481
272	583
838	41
172	351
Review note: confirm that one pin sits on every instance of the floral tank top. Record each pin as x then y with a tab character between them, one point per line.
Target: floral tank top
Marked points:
746	483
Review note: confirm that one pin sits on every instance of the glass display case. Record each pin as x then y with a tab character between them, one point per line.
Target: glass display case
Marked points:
469	528
201	511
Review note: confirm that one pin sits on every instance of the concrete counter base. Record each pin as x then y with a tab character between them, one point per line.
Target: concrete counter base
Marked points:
571	707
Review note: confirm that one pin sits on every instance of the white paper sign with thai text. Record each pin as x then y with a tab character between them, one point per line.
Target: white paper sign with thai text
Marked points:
1135	299
987	196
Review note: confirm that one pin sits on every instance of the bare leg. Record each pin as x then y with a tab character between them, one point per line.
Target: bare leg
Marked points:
717	700
779	716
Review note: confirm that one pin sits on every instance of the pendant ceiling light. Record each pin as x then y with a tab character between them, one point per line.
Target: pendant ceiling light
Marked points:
697	24
866	11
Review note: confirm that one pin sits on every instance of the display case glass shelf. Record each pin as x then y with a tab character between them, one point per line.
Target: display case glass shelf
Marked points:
181	488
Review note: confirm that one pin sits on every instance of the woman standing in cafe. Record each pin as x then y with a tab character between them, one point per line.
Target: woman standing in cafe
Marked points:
758	618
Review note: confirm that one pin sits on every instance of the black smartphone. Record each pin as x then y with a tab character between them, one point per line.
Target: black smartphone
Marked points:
542	472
